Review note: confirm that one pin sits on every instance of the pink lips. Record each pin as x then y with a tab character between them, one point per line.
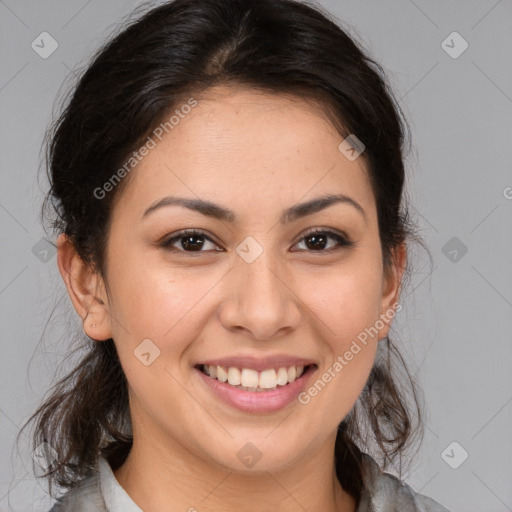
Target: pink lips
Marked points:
257	402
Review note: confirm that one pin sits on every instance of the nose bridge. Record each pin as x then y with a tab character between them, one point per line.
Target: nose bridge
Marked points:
261	300
262	279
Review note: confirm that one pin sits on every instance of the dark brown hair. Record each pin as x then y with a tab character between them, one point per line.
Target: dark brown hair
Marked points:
134	81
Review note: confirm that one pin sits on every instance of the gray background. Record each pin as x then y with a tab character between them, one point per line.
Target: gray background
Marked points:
456	327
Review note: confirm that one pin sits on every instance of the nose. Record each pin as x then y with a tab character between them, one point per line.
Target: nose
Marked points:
260	299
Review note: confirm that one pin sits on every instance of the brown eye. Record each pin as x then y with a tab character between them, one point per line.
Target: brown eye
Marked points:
188	241
318	239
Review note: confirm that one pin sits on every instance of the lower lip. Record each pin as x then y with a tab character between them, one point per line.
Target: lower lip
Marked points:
257	402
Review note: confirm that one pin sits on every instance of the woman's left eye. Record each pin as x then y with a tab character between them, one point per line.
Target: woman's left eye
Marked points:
316	240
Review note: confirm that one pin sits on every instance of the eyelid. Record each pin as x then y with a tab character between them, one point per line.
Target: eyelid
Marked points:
322	229
342	239
167	240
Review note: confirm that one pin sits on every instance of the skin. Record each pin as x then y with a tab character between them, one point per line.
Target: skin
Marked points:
256	154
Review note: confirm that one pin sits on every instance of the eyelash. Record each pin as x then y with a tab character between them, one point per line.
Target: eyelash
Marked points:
341	239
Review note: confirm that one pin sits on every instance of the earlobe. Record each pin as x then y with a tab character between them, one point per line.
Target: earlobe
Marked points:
85	288
391	288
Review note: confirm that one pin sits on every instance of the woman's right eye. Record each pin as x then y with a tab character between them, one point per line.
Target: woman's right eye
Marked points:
189	241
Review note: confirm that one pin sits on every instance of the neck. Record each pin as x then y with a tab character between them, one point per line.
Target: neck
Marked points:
154	477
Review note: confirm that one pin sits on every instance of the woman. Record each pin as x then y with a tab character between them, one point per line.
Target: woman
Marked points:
227	179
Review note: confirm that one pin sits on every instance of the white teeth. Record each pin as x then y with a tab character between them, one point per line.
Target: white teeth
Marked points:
234	376
252	380
282	376
268	379
249	378
222	374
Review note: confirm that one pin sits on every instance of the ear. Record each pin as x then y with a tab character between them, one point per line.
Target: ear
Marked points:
86	290
391	287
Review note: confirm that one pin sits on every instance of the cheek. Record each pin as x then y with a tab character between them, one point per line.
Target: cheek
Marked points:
163	306
345	302
345	298
152	301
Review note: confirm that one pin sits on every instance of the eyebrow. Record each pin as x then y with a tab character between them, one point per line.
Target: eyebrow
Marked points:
289	215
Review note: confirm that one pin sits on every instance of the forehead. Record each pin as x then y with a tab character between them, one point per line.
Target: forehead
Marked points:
246	147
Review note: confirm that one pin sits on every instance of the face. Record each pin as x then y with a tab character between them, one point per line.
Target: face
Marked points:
252	283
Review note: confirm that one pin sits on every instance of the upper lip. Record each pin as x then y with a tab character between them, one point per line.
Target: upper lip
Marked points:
258	363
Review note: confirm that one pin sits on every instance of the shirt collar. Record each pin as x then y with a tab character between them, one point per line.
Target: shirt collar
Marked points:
116	498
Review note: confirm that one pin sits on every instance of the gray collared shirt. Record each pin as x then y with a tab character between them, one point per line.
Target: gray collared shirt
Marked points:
382	492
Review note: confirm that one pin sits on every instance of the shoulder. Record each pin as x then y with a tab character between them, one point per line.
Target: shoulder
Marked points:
384	492
86	496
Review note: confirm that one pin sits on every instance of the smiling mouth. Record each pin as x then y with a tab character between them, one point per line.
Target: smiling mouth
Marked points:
247	379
